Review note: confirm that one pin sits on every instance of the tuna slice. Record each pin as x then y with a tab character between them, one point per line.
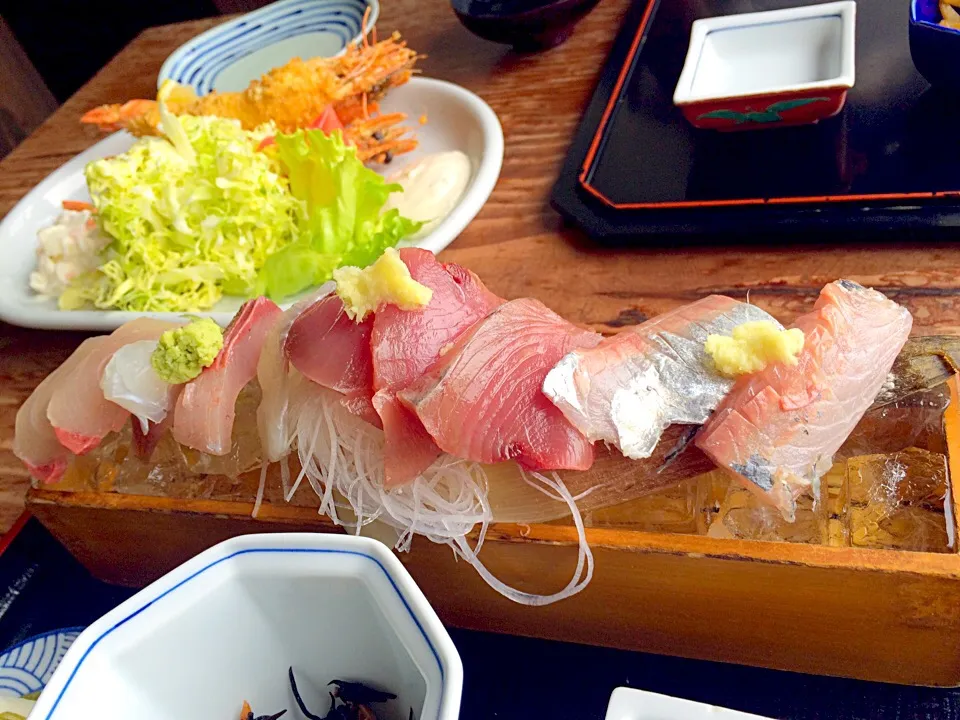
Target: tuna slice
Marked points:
330	349
633	386
482	400
79	413
778	429
204	414
407	342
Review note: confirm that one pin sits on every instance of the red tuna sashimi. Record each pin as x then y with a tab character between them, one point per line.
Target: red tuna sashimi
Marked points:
482	400
777	430
330	349
407	342
80	415
204	414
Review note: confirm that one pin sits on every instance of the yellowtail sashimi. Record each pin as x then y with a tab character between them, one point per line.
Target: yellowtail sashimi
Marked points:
778	429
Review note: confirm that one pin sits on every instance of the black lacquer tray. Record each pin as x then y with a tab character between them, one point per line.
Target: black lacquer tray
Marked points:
889	161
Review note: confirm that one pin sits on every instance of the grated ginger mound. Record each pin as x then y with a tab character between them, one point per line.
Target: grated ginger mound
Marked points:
386	282
754	346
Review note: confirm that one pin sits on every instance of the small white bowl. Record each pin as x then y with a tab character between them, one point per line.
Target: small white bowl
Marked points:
630	704
225	626
764	69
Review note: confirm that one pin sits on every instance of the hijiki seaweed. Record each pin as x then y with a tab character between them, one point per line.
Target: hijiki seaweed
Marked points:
348	701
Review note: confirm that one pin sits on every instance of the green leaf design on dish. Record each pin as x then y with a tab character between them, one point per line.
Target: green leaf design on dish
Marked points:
784	105
761	117
770	115
722	115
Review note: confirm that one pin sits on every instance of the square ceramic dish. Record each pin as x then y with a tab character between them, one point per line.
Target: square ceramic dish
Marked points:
768	69
933	47
225	626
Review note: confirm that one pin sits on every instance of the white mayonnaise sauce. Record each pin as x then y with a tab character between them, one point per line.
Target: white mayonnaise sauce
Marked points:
66	249
432	187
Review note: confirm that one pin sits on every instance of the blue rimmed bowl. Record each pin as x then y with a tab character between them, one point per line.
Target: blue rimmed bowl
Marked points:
228	57
934	48
225	626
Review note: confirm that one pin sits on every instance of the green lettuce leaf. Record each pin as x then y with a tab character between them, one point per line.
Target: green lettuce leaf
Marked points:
344	224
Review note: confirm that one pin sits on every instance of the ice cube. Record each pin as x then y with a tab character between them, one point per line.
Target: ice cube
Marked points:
671	510
729	510
898	501
833	495
914	421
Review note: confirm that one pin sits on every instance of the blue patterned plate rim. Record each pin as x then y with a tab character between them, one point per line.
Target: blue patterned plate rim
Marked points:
22	675
40	636
199	62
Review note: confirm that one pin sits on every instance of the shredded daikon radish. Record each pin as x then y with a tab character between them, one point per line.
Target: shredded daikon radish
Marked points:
260	488
584	555
342	459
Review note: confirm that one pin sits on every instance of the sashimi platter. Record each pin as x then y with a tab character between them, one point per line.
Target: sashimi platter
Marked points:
407	396
289	348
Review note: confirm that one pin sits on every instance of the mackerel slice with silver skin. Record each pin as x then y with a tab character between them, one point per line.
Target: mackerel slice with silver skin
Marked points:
628	389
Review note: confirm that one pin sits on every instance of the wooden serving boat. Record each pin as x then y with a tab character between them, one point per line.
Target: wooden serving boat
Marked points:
875	614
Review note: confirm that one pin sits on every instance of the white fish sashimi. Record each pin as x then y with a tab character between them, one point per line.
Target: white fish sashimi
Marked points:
631	387
130	381
279	381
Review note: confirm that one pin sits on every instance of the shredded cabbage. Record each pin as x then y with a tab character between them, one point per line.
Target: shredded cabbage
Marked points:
345	224
187	229
204	212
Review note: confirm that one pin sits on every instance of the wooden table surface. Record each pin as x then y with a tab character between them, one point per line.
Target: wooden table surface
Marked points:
518	245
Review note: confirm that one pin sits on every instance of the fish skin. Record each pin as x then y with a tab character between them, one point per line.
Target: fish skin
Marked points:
144	443
407	342
777	430
634	385
205	411
79	413
482	400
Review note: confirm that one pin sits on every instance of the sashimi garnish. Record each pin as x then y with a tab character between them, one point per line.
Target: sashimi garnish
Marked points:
777	430
342	459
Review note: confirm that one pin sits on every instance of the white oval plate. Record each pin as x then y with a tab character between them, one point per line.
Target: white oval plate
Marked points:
228	57
457	120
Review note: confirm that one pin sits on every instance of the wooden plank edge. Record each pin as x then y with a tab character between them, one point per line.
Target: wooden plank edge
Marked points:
908	563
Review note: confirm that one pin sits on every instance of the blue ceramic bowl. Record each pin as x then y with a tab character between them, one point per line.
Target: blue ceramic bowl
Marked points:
934	48
228	57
